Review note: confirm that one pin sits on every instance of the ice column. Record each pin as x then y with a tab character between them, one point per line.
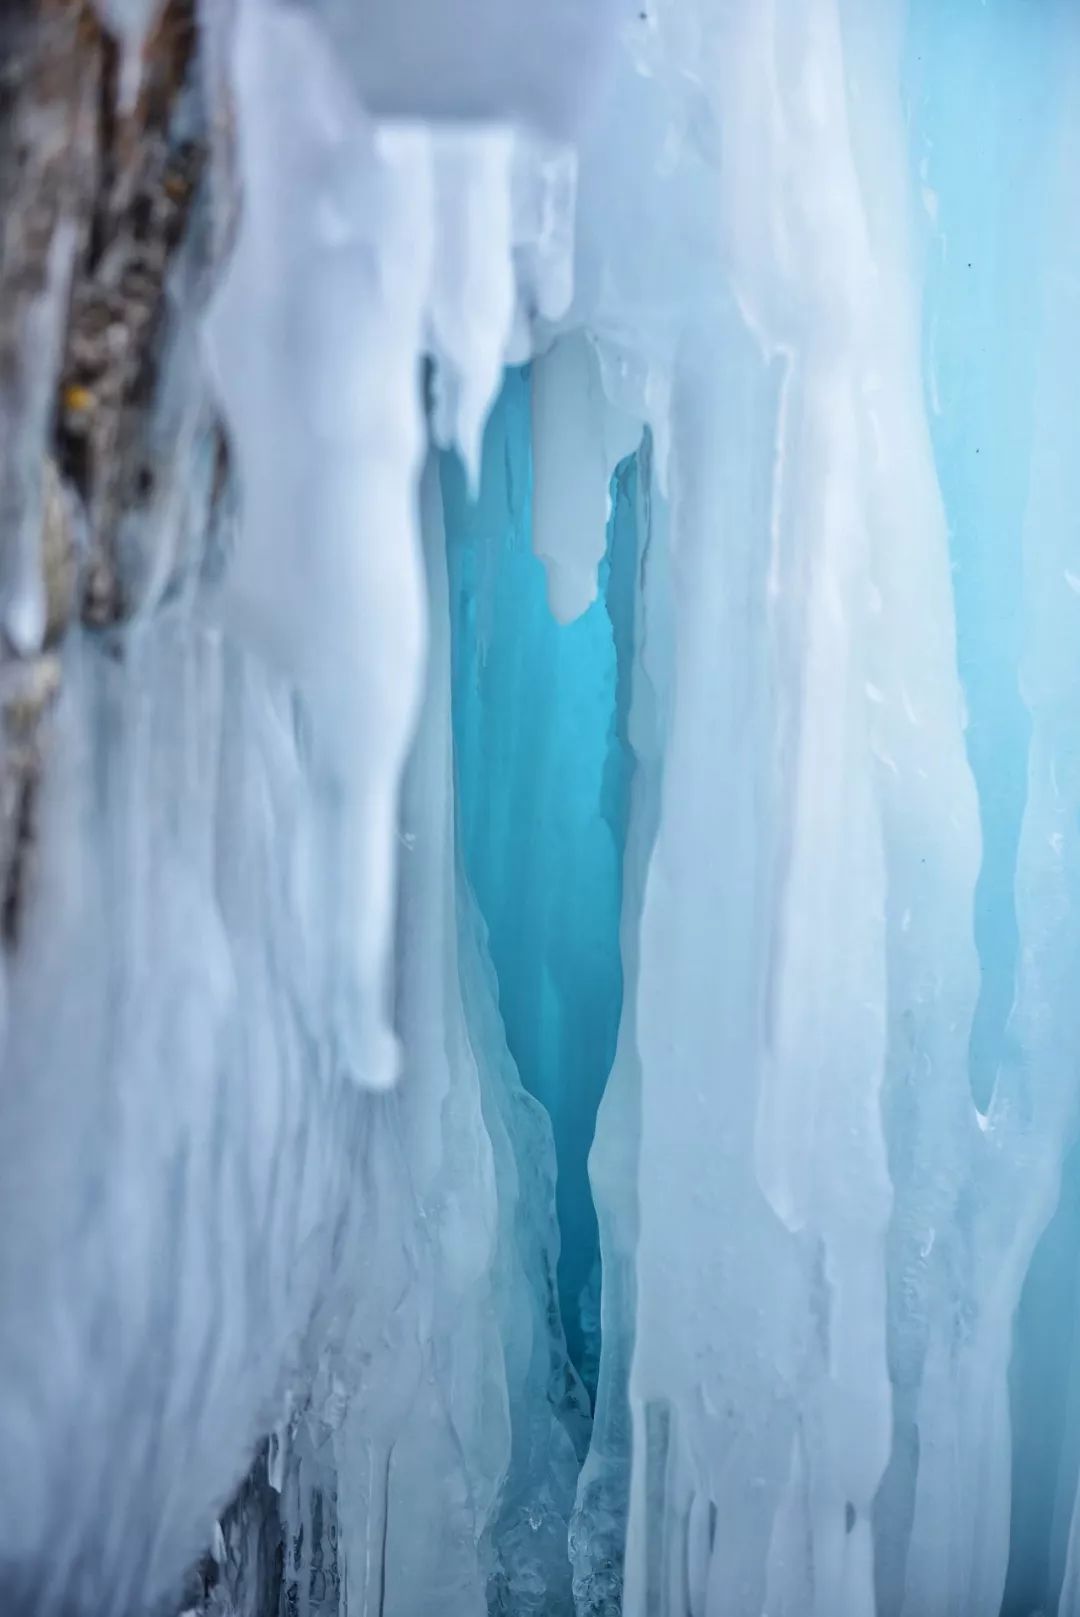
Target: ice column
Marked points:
805	911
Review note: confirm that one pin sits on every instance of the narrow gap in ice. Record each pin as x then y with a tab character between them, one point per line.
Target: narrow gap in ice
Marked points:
542	795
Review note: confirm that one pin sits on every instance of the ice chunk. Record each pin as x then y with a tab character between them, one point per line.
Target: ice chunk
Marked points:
472	59
579	437
471	303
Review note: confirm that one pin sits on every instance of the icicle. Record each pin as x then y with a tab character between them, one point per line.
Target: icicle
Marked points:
317	337
471	304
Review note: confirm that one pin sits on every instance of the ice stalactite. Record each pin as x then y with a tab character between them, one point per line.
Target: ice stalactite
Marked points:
322	312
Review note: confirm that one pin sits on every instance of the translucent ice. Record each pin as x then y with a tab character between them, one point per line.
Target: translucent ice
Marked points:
540	1061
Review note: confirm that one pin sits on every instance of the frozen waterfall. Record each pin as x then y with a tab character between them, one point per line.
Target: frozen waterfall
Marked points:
540	808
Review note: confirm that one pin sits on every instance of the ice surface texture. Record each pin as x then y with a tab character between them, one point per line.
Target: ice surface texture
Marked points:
543	934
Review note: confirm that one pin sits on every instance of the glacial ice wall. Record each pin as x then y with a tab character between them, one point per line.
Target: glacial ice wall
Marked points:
539	831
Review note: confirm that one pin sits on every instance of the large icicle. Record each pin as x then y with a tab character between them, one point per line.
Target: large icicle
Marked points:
317	336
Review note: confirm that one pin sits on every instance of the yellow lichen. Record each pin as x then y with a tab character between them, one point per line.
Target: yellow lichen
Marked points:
77	400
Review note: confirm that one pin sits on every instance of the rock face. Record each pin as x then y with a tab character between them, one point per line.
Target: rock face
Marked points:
115	208
105	236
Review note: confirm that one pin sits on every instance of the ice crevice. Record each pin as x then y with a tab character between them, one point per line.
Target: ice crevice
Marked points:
542	914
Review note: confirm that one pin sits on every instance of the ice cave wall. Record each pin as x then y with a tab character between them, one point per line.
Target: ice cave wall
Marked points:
406	758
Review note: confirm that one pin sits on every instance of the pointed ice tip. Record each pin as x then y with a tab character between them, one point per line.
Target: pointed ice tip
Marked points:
23	618
569	593
469	448
374	1062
